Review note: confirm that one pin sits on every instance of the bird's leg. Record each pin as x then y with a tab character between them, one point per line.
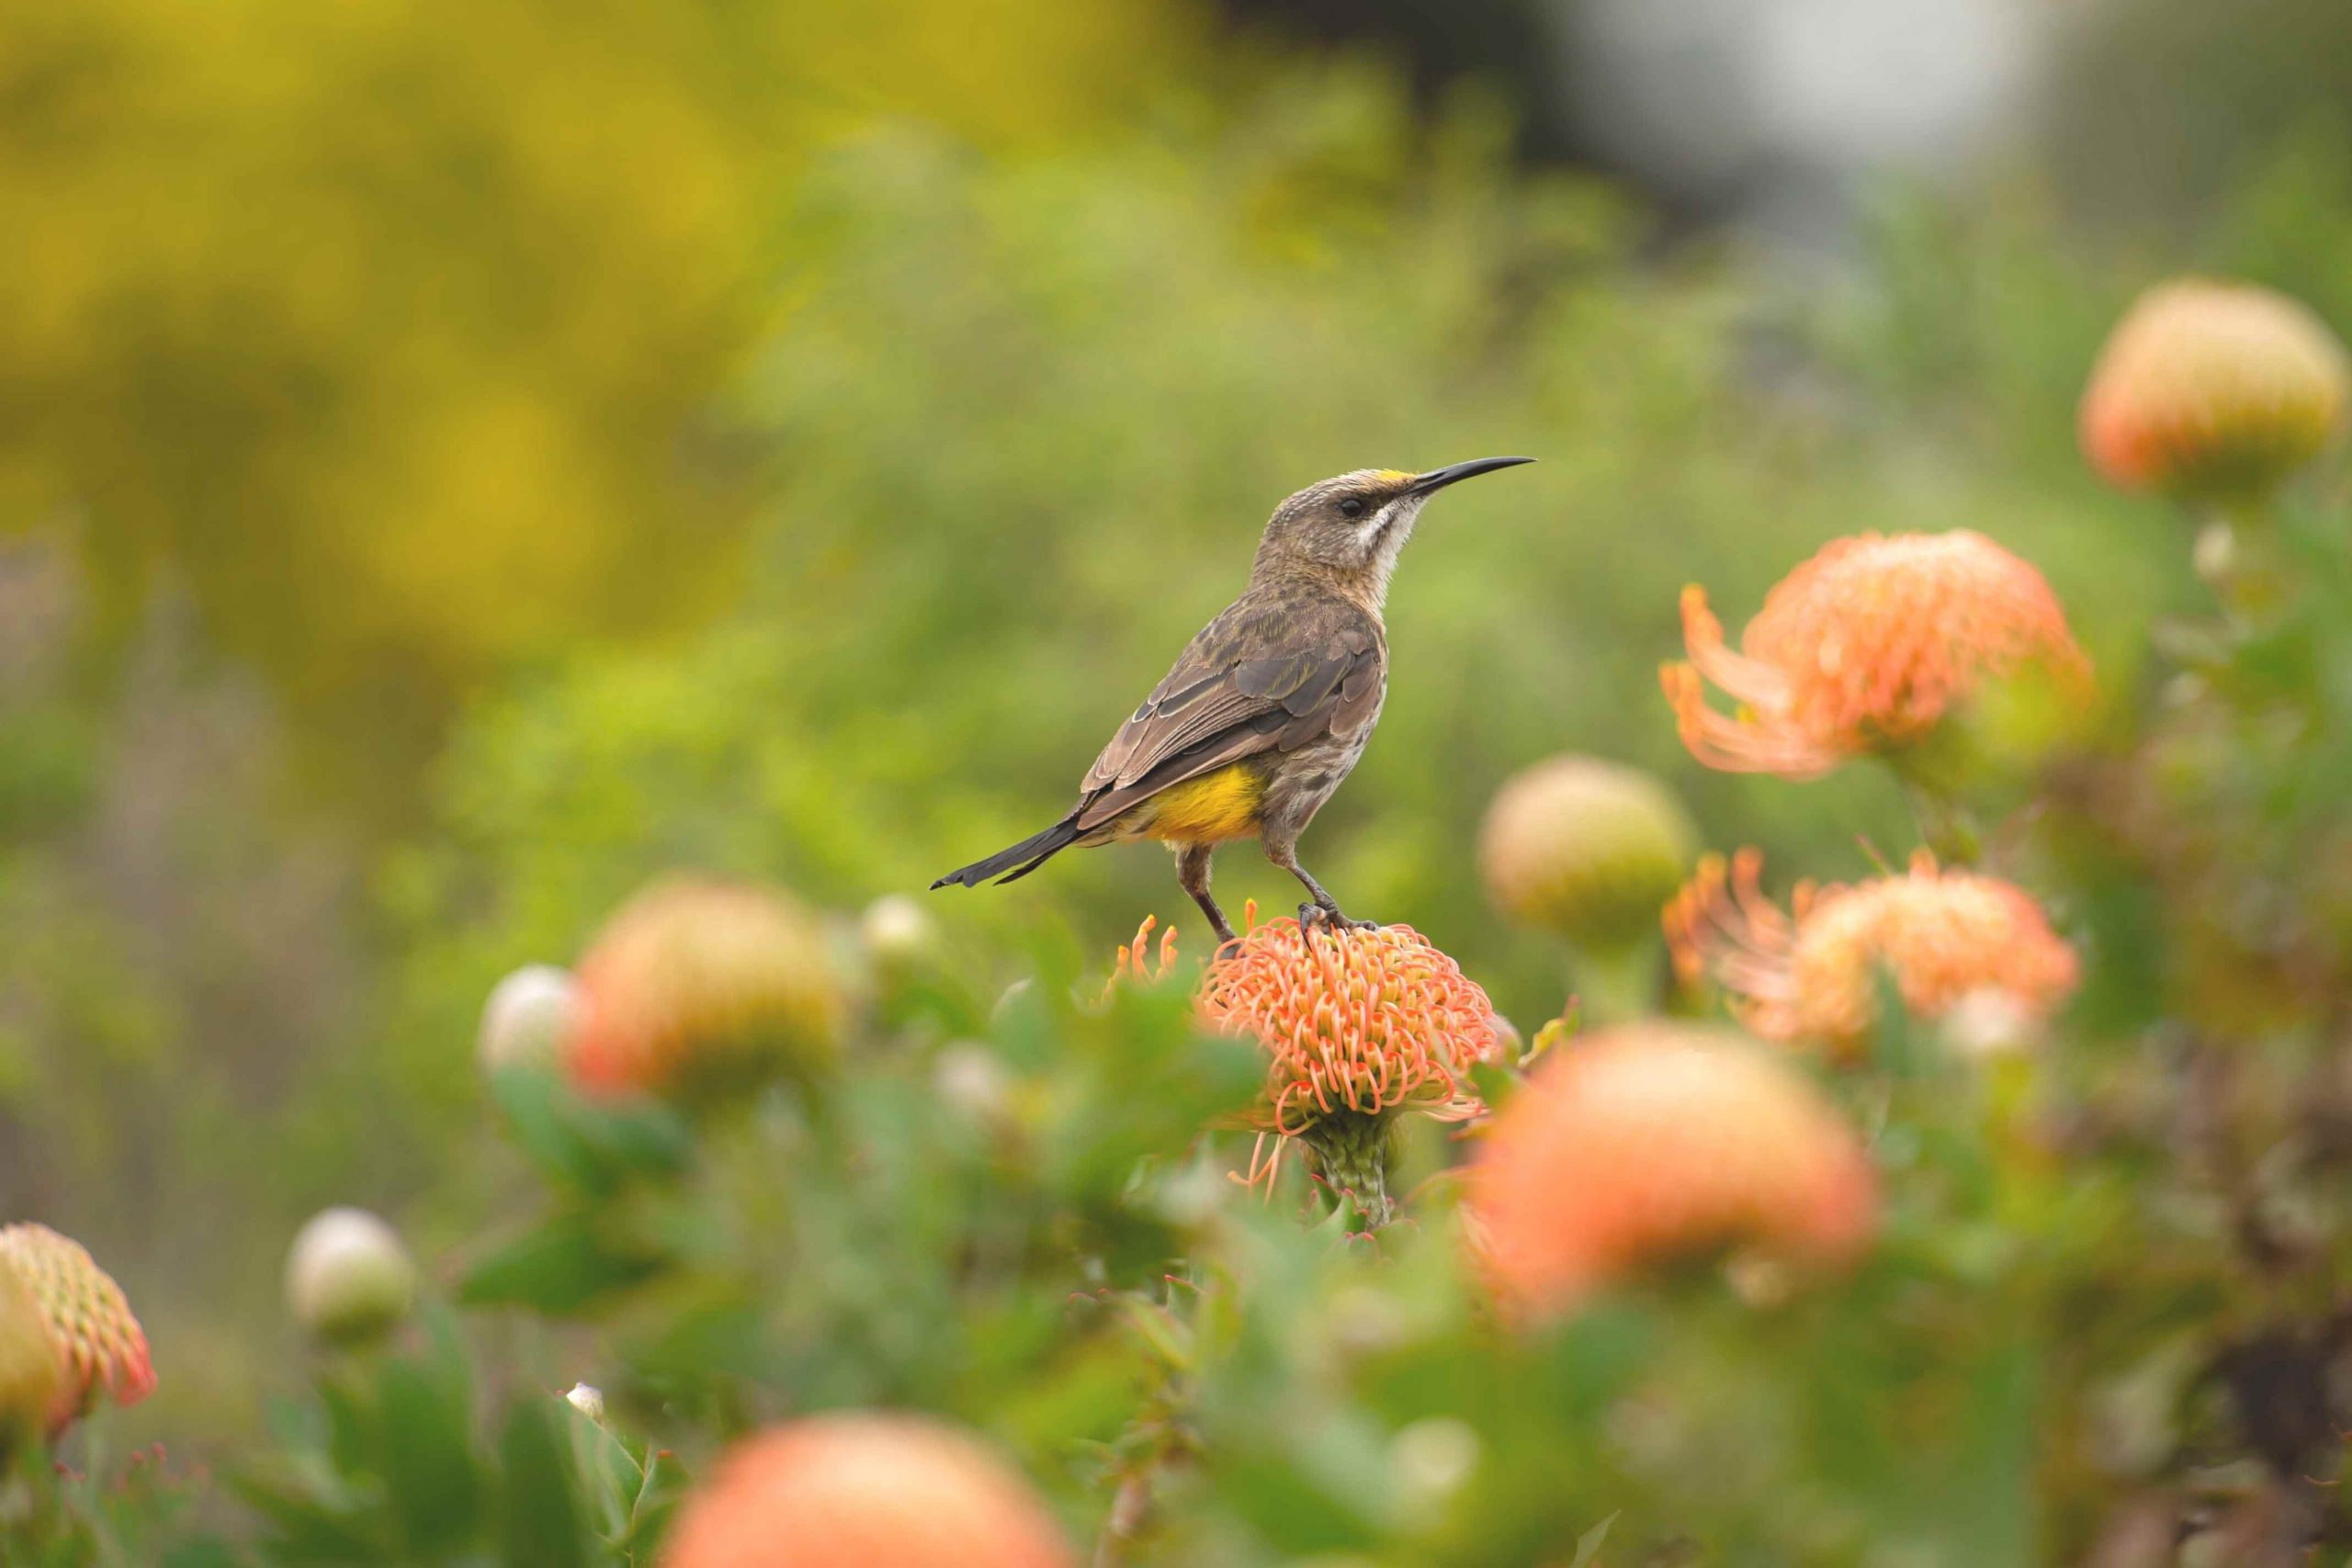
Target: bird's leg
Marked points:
1323	911
1193	873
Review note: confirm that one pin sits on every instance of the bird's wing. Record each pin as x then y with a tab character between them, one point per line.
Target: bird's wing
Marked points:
1273	673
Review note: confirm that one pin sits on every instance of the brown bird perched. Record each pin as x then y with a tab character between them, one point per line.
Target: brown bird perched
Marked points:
1268	707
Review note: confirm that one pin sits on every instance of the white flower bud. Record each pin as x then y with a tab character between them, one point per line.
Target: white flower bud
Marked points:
526	1017
349	1276
898	930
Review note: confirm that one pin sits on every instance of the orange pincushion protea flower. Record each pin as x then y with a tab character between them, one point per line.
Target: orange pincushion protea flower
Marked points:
102	1347
2209	388
1645	1144
1863	649
697	987
865	1491
1946	936
1357	1025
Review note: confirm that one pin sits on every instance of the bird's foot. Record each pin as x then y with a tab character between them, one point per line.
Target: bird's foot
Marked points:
1327	917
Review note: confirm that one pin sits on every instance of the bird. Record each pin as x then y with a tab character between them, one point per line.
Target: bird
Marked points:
1267	709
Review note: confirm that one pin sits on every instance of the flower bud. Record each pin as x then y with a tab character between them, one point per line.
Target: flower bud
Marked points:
348	1277
1589	849
588	1400
2209	388
89	1323
699	988
1429	1461
972	1080
525	1020
877	1490
897	932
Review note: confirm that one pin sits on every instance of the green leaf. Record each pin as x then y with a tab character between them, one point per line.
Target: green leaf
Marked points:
427	1458
539	1524
558	1266
1589	1543
588	1146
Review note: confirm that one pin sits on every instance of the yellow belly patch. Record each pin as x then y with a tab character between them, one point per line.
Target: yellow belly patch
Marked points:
1222	805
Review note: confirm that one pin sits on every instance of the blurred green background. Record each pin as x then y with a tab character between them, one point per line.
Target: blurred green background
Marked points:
457	460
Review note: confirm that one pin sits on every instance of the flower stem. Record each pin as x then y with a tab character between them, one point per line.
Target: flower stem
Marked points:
1348	1149
2238	554
1616	985
1945	825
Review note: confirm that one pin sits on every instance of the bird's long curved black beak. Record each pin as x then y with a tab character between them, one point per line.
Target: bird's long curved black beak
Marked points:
1438	478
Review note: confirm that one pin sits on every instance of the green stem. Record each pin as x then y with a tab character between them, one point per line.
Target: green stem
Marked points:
2238	554
1945	825
1616	985
1348	1149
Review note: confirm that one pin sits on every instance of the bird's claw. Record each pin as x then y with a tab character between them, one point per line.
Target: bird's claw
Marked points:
1317	916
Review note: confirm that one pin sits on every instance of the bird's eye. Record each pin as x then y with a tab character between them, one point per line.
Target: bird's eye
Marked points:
1352	507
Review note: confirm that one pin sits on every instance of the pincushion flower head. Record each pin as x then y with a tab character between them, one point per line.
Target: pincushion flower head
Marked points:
699	987
1948	938
1864	649
32	1373
101	1350
2209	389
1358	1026
1640	1145
865	1491
1586	848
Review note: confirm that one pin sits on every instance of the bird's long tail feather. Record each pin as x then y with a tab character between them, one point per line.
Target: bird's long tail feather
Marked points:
1022	857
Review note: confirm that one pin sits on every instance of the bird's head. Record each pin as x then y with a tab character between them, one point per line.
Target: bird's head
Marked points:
1349	530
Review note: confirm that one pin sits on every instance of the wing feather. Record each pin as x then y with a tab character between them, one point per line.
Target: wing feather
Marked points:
1274	672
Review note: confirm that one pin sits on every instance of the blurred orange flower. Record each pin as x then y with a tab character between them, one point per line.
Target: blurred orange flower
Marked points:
1643	1144
102	1349
1862	650
865	1491
1948	937
1357	1025
698	986
2209	388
